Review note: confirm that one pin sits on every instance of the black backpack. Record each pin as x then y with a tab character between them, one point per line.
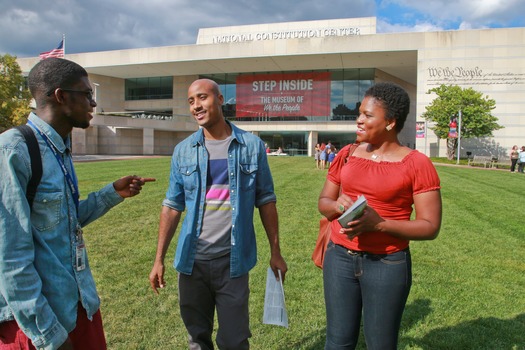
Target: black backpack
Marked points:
36	161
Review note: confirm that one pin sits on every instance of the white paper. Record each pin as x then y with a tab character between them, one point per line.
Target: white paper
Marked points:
274	306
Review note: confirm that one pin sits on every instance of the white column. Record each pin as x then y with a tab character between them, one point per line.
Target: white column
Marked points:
312	141
148	141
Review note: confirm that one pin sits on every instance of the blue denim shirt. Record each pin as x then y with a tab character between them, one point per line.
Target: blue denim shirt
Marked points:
251	185
40	286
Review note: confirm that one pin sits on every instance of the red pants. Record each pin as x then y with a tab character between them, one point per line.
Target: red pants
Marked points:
87	335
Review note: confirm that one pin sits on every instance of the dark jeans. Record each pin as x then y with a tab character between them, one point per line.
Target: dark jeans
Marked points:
208	288
374	286
513	164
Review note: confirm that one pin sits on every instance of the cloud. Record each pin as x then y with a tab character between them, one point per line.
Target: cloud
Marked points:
463	14
34	26
98	25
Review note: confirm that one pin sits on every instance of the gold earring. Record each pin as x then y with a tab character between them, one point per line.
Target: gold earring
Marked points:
388	127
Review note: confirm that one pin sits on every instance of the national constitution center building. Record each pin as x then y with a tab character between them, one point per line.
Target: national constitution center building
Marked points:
299	83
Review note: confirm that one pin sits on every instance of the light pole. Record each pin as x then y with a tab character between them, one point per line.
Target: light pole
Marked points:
95	95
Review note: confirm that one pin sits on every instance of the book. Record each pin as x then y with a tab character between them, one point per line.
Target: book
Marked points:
354	212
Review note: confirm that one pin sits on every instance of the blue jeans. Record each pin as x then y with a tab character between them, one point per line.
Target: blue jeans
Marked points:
374	286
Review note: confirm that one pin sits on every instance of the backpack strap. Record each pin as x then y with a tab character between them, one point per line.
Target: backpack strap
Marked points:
36	161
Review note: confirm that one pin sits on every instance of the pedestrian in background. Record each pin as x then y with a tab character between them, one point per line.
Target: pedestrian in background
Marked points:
317	156
514	155
521	160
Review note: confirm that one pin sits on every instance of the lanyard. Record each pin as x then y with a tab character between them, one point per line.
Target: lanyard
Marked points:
71	181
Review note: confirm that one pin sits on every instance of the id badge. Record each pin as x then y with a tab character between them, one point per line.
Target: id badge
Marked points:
81	257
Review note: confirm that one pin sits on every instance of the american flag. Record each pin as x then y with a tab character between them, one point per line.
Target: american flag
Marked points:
58	52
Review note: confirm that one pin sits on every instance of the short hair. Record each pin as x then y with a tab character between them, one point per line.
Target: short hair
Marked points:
52	73
394	99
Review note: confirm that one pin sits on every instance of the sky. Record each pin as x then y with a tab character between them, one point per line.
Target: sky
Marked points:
29	27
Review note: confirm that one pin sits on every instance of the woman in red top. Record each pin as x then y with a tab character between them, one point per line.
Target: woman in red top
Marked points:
367	267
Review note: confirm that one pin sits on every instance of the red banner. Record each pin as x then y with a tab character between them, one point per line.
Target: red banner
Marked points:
420	130
290	94
453	128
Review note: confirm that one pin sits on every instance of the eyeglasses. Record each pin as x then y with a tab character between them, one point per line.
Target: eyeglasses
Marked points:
89	93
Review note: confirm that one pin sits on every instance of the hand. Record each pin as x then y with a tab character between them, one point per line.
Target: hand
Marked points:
156	277
277	263
68	345
131	185
343	203
365	223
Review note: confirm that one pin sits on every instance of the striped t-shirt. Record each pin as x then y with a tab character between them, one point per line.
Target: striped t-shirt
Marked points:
214	240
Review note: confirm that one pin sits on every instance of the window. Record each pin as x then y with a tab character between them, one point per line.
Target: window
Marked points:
348	88
155	88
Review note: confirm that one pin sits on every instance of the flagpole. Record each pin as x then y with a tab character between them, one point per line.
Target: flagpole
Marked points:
64	43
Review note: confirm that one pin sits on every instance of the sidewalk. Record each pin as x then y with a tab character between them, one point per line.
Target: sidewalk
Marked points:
470	166
104	157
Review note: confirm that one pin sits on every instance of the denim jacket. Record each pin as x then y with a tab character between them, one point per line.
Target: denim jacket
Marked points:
250	183
40	286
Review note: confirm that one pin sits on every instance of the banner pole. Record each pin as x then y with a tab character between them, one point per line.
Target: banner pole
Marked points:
459	135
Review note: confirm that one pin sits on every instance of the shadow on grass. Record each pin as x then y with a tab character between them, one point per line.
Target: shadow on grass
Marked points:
480	334
312	341
414	313
483	333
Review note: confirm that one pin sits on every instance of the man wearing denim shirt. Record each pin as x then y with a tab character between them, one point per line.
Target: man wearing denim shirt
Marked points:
219	173
48	298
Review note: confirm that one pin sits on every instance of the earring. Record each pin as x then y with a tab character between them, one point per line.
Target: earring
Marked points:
388	127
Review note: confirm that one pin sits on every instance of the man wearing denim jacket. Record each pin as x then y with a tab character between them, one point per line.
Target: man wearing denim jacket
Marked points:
48	298
219	174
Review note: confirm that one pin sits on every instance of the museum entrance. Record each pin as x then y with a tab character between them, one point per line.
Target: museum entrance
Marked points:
292	143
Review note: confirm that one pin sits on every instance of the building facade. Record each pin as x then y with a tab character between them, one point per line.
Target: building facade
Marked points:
299	83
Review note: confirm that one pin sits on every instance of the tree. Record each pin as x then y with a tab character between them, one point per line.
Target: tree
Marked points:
14	95
476	114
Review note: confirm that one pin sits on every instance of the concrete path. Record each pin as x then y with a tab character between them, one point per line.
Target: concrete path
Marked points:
104	157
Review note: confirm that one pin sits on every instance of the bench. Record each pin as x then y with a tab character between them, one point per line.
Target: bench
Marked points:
502	162
486	161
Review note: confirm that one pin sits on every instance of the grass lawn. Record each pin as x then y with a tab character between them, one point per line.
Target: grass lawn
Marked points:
469	283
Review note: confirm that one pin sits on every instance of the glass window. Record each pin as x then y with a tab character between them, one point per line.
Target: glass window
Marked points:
338	140
154	88
292	143
348	88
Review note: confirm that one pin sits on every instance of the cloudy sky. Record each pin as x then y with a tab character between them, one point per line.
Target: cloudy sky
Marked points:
28	27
